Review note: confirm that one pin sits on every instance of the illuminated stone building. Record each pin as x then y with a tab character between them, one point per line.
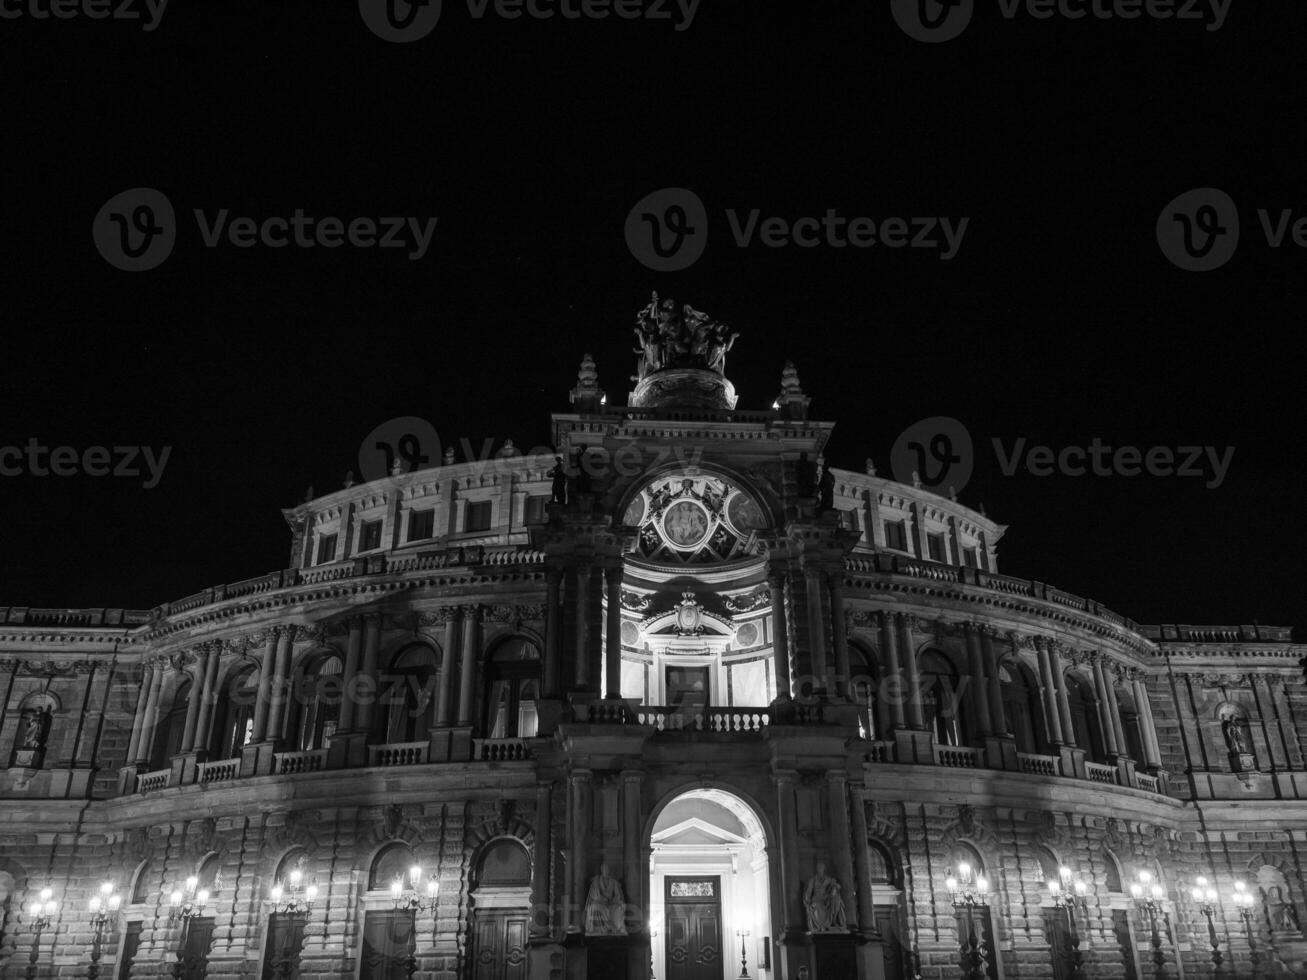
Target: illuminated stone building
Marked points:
688	685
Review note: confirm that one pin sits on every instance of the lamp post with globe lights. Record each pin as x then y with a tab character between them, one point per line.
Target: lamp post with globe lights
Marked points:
185	904
1069	891
1204	896
1244	901
969	892
41	911
743	933
1149	896
418	895
103	907
292	899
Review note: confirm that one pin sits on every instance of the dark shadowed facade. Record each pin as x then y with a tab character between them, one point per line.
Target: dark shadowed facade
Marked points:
684	699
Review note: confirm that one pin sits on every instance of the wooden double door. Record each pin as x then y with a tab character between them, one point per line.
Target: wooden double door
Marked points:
499	939
692	909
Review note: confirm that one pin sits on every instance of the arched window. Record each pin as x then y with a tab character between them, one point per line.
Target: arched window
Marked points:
1084	718
963	853
141	884
1112	872
513	689
1238	737
209	873
1021	705
884	869
410	695
941	699
235	725
319	692
503	864
172	728
864	686
393	861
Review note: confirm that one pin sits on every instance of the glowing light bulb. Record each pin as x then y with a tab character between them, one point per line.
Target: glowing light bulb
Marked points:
106	888
175	899
397	887
295	877
433	887
1200	881
311	892
1054	886
1197	894
114	902
95	905
982	885
276	893
1136	891
964	870
51	907
1158	892
34	909
951	883
202	896
1081	889
47	894
415	874
192	883
1145	877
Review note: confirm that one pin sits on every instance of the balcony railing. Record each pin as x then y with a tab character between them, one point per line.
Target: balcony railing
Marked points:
398	754
1146	782
501	749
289	763
1040	765
959	757
217	772
150	781
1099	773
724	720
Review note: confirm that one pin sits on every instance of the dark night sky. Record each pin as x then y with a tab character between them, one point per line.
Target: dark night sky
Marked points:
1059	320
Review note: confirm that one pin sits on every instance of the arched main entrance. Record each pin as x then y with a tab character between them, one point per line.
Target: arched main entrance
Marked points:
708	879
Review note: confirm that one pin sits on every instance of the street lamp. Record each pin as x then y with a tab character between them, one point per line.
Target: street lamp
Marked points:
416	897
969	892
41	911
1149	896
1068	891
103	908
1244	901
1204	896
292	895
185	904
743	933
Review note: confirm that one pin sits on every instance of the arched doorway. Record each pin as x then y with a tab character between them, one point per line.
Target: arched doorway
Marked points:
708	882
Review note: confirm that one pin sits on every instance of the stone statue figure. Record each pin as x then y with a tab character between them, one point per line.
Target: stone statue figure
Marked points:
559	476
670	337
605	906
35	729
824	904
1235	737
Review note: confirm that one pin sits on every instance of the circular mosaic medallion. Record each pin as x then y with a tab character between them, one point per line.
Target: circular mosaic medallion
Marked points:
685	525
744	514
747	635
630	634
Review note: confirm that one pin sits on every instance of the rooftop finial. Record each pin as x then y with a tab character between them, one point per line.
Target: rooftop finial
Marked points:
792	402
587	396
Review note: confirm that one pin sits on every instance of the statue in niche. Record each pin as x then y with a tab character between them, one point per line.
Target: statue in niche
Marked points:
824	903
36	727
1235	738
1283	916
559	477
605	906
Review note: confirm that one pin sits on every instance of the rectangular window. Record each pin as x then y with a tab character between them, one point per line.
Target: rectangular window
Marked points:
421	524
971	558
478	516
896	535
326	548
535	509
130	947
935	546
369	535
388	942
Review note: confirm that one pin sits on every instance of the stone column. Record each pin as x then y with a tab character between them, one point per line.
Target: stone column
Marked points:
1052	717
281	685
976	668
204	725
889	646
916	717
581	669
353	648
138	717
631	870
862	863
145	749
580	833
1105	723
837	782
467	672
839	632
613	648
445	684
553	630
791	888
780	635
541	915
367	687
812	579
1063	695
1114	706
265	688
1152	753
994	688
193	706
